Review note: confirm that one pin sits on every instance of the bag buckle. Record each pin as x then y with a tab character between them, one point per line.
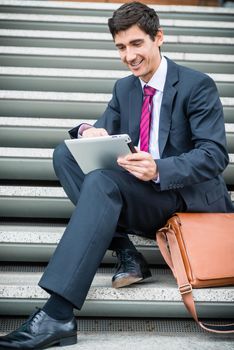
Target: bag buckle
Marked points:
185	288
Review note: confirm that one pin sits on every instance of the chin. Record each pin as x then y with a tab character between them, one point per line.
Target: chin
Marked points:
137	73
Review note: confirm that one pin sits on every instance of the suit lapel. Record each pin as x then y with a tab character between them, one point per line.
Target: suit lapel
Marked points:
167	102
135	103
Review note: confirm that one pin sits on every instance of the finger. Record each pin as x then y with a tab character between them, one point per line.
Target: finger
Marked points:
140	176
100	132
103	132
147	169
95	132
136	167
140	173
129	158
145	163
140	170
138	156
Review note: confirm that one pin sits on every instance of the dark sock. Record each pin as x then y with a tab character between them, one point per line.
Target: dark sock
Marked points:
58	308
121	243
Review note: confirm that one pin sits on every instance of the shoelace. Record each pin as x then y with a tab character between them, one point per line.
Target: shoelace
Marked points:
31	317
30	321
36	318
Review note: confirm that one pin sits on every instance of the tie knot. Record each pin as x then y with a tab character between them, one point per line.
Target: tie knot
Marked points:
149	91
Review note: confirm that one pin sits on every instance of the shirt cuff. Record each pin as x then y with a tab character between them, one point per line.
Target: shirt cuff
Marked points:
82	128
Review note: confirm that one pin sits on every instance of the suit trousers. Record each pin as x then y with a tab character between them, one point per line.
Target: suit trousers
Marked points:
71	178
107	201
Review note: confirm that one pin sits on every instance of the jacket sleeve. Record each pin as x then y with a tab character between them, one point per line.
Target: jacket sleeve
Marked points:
208	156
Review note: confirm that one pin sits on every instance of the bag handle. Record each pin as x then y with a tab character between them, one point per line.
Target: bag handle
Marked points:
173	258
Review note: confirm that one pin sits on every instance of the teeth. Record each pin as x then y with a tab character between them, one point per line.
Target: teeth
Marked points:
136	64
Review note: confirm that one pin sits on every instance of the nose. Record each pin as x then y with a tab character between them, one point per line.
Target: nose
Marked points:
130	55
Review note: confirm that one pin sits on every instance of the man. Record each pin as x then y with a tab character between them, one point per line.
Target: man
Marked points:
177	169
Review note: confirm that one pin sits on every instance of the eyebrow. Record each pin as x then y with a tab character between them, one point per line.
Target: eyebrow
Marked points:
130	42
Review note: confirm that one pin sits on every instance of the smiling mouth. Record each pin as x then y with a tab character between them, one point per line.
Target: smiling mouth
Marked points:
136	64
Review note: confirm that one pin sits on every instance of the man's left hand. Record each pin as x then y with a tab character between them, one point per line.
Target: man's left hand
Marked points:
140	164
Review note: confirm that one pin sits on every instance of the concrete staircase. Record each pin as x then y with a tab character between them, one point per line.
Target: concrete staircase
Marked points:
58	67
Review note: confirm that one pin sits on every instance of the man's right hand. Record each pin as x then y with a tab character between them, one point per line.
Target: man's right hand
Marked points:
94	132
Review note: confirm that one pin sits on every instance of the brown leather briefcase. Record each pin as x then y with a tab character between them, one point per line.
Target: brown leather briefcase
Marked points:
199	249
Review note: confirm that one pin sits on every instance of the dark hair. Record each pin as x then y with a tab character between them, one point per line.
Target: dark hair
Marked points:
133	13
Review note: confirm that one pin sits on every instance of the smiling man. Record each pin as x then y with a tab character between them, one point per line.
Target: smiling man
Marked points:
168	111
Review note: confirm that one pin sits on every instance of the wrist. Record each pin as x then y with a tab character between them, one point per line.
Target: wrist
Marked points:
84	127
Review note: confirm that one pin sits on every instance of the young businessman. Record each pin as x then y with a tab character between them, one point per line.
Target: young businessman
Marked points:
177	167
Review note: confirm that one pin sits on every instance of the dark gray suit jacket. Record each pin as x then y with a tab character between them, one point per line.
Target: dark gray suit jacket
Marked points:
192	140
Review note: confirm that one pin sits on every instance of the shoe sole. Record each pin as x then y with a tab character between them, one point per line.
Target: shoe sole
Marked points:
61	342
68	341
123	282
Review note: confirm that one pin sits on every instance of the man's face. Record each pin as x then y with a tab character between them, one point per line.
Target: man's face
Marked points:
139	52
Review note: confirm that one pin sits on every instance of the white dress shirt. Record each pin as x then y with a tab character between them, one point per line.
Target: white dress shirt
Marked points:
157	82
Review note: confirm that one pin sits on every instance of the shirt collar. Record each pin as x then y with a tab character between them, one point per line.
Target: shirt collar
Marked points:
158	79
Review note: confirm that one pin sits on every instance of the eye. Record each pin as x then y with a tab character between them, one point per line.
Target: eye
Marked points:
137	43
120	48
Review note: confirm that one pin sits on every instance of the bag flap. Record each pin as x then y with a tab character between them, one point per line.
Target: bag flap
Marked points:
209	243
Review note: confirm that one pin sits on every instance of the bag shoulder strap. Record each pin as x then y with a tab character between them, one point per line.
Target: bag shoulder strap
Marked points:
174	259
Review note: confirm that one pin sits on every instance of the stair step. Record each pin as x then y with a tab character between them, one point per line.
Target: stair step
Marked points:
54	18
79	96
141	334
189	44
51	104
64	104
28	201
88	73
64	96
107	59
119	326
99	24
157	297
77	80
107	9
84	73
36	164
36	242
94	53
38	202
49	132
49	122
92	36
37	132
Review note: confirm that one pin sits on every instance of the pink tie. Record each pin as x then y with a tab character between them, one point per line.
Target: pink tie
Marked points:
145	117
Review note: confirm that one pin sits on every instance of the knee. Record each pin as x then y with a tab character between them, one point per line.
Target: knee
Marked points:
93	178
101	179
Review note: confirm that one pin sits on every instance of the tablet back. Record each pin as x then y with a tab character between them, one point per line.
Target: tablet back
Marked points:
99	152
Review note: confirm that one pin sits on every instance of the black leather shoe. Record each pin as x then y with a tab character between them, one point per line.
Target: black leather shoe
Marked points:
132	268
41	331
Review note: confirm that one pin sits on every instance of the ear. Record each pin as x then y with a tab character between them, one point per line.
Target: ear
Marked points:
159	37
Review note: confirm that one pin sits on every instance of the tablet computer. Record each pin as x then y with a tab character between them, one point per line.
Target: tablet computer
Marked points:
100	152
